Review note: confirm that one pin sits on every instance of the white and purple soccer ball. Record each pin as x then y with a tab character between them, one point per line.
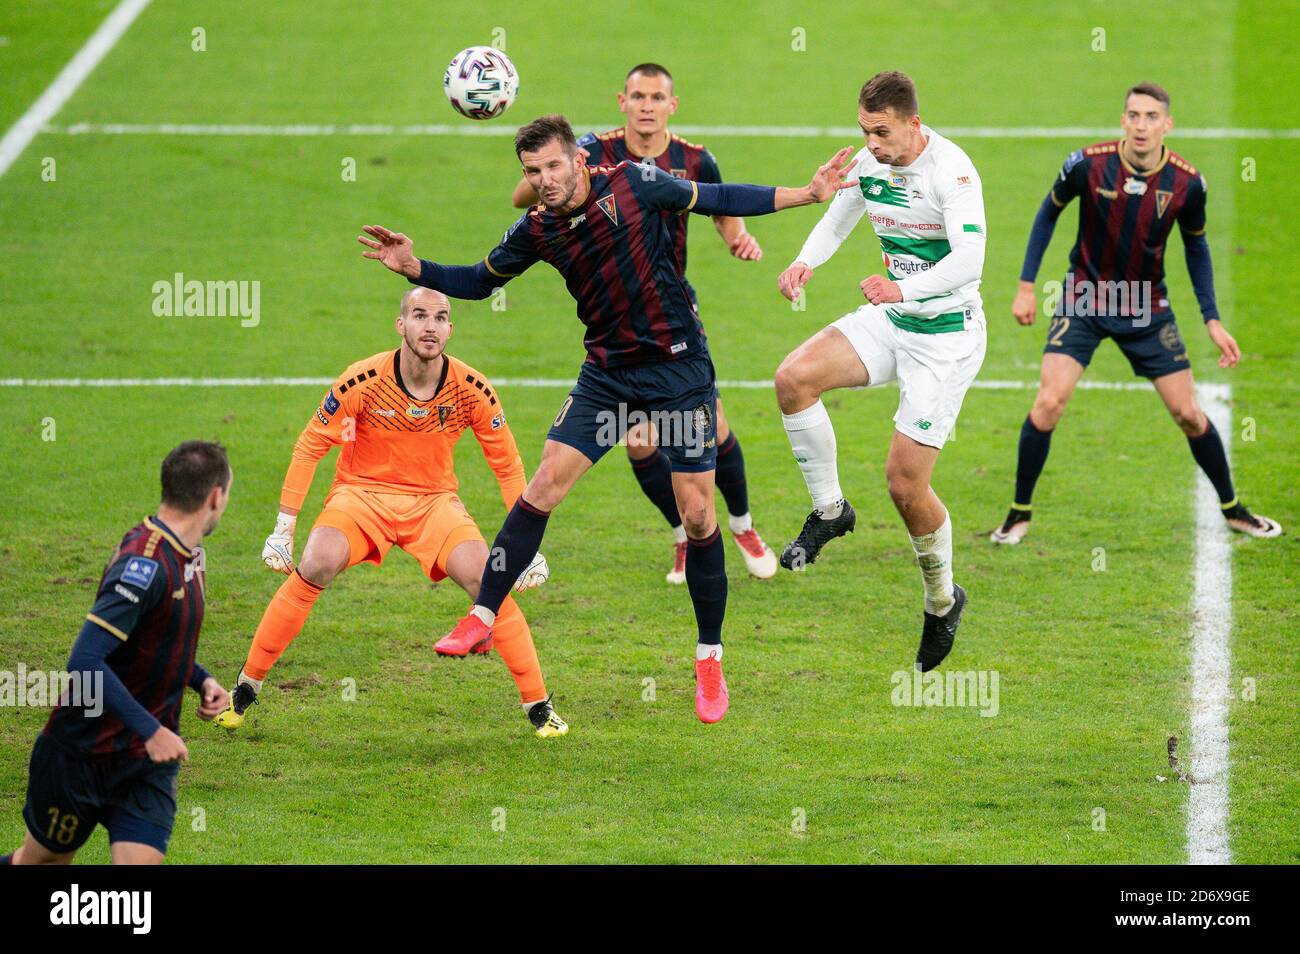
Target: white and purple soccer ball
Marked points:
481	82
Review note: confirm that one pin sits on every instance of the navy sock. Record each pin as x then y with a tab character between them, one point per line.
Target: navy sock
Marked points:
655	475
1034	445
731	476
706	578
516	544
1213	459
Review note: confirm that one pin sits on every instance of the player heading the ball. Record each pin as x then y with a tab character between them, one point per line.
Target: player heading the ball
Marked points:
601	228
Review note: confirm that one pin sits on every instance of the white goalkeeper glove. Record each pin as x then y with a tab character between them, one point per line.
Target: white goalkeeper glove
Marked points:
536	574
278	552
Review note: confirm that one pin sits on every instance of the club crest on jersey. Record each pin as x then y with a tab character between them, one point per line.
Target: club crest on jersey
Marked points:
1162	201
443	411
607	205
416	412
1135	186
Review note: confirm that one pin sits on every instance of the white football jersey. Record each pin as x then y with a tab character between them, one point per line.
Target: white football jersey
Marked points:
929	217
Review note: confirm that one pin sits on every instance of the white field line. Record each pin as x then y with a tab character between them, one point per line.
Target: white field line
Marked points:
1216	391
1207	804
66	83
508	130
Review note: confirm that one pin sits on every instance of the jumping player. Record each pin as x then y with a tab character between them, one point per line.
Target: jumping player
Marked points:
602	229
647	100
118	766
924	327
398	415
1131	193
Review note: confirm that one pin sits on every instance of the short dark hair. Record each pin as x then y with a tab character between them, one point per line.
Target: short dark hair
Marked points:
190	472
542	130
648	69
889	90
1154	90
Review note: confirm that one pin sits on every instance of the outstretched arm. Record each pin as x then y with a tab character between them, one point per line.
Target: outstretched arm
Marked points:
724	198
396	252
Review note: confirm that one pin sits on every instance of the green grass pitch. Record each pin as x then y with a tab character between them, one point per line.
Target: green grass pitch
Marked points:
433	761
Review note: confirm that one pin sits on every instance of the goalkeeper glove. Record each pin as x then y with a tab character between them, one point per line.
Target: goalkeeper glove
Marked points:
536	574
278	552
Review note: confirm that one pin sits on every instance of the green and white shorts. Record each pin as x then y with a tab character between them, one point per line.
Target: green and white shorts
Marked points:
934	369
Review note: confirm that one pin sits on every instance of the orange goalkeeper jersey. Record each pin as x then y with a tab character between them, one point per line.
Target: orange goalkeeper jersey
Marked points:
395	443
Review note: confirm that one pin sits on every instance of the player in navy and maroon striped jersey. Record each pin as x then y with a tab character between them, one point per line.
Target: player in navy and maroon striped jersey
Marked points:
1131	192
648	101
109	753
647	358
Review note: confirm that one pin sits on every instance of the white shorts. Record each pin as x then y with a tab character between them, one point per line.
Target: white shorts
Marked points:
933	371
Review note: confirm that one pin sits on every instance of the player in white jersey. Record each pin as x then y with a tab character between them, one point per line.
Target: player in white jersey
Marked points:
924	327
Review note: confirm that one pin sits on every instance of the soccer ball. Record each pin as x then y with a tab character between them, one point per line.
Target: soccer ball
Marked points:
481	82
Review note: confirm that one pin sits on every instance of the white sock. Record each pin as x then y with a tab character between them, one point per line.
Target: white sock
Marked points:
742	524
705	650
831	511
679	534
934	553
249	681
529	705
485	614
812	438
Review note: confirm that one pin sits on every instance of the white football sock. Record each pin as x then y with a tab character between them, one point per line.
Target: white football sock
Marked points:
831	511
742	524
249	681
679	534
934	553
812	438
485	614
705	650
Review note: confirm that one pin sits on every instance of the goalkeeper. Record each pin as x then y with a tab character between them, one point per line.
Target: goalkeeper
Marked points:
398	415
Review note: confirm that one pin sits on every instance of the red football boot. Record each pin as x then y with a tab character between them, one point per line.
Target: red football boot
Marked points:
710	690
471	635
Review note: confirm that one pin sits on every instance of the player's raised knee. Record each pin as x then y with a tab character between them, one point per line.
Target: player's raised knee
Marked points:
325	556
795	385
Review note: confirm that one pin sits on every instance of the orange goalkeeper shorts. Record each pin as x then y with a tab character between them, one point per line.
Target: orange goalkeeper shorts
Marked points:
427	526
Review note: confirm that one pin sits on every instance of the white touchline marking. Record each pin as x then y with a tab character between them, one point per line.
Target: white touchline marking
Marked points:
66	83
473	129
1217	391
1207	803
